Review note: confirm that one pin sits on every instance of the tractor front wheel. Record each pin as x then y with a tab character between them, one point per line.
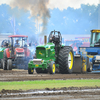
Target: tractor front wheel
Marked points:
52	68
9	64
66	60
30	71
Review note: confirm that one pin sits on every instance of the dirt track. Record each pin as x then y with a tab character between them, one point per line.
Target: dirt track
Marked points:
21	75
72	93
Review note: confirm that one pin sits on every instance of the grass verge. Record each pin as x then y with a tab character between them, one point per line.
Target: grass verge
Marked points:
42	84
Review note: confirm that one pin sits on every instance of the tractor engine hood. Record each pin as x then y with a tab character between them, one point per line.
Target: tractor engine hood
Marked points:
20	50
45	52
48	45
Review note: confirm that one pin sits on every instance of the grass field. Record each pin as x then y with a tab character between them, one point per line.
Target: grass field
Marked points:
42	84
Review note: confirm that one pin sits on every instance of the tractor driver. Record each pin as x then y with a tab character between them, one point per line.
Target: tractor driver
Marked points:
52	38
16	44
5	44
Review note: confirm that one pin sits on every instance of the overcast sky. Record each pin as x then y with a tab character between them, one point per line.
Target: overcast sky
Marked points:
62	4
61	19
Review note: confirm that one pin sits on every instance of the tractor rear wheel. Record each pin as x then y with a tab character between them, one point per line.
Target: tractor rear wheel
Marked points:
4	61
52	68
66	60
30	71
9	64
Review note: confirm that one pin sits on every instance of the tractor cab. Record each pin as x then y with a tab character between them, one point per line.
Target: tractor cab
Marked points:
18	41
95	38
55	37
18	44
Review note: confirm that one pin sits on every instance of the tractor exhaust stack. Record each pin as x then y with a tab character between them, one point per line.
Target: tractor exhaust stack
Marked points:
45	39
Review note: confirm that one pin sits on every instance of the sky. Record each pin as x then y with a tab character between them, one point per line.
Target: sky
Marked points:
62	4
71	17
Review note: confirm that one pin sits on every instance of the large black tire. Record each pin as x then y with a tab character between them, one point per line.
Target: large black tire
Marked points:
9	64
66	60
30	71
52	68
4	61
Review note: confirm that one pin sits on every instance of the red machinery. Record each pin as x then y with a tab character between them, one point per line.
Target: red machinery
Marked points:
13	57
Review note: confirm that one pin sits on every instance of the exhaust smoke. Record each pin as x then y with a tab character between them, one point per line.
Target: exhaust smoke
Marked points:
38	9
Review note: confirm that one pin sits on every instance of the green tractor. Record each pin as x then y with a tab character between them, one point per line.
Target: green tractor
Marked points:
4	45
52	55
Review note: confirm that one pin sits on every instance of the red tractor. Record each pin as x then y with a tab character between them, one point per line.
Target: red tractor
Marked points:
17	55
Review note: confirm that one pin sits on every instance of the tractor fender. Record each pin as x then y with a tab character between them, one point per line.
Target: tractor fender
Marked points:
7	52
